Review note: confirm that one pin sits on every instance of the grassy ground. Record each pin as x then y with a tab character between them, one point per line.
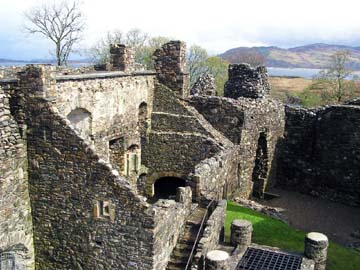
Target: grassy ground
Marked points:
272	232
291	84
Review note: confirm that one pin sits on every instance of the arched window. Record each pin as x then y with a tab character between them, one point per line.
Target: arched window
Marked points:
81	119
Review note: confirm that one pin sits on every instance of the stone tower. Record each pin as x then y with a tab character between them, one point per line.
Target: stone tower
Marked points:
248	82
170	66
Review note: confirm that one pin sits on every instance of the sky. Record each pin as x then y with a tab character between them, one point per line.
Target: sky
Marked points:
215	25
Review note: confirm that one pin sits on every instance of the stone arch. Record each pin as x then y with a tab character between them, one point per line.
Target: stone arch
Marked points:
117	153
166	187
260	171
152	178
82	120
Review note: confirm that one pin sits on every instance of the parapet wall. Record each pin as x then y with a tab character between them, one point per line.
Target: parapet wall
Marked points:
169	221
16	236
213	235
320	153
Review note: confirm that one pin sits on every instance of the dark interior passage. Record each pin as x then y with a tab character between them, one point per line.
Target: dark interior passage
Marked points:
166	187
261	167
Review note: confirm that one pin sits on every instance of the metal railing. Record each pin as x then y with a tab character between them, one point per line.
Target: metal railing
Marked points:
199	234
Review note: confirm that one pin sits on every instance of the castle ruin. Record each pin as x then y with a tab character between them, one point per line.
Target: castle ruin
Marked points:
108	170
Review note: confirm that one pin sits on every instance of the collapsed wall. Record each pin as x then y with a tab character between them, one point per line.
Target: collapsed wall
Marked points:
180	139
253	121
16	236
320	153
245	81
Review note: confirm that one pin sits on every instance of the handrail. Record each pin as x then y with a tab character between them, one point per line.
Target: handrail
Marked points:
197	239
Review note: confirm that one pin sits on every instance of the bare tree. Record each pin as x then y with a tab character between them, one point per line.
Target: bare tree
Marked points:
252	57
334	83
100	52
143	45
61	22
196	59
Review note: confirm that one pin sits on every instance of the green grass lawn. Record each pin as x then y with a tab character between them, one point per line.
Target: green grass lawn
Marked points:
272	232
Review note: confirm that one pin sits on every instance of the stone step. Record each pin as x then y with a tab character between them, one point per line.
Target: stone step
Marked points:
182	250
176	266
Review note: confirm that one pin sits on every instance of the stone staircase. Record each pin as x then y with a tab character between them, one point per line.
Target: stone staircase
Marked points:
182	250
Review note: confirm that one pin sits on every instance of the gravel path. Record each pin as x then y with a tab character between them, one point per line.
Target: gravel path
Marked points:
307	213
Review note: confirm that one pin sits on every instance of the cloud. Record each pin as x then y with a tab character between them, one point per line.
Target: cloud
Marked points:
215	25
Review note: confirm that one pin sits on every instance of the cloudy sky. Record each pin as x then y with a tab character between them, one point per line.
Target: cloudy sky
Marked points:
215	25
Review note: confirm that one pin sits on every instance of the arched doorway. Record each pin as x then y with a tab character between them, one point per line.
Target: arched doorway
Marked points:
166	187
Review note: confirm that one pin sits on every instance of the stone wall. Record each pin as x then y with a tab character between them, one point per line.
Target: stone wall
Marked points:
170	66
86	216
110	110
169	220
204	86
256	126
15	212
213	234
67	182
113	103
179	139
320	153
217	177
245	81
122	58
223	114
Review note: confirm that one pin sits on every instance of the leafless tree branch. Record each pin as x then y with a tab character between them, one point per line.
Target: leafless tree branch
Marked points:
61	22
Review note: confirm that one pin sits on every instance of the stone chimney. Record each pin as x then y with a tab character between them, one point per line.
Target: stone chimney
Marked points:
170	66
122	58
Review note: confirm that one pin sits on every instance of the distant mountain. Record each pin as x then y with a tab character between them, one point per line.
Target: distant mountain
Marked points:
308	56
45	61
2	60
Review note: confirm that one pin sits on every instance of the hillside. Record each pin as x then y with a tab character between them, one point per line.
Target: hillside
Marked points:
309	56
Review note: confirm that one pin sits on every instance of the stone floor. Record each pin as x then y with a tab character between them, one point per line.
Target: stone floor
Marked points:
308	213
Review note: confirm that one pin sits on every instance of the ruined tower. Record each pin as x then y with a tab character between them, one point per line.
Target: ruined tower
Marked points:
170	66
248	82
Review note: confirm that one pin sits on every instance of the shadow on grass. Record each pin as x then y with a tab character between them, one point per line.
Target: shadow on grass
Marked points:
272	232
